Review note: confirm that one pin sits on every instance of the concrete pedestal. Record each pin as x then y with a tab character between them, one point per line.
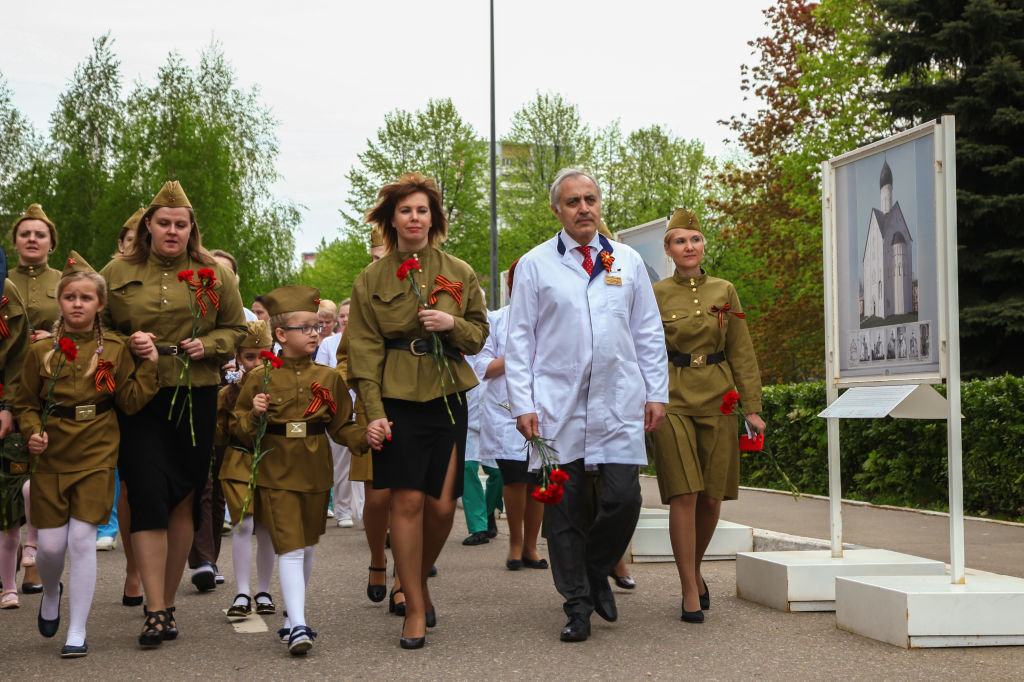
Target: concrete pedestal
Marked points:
651	540
805	580
929	611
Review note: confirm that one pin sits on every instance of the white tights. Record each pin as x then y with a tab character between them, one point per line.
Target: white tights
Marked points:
241	556
293	570
79	539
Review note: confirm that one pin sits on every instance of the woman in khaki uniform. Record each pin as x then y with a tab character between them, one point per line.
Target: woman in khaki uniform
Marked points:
416	424
303	403
167	445
697	448
35	237
14	463
73	481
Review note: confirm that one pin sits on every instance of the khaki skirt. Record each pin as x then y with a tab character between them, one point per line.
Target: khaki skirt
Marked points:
84	495
697	455
294	520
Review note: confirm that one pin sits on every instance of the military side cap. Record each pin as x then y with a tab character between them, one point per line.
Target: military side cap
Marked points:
683	218
603	229
257	335
292	300
75	263
136	218
35	212
375	238
171	195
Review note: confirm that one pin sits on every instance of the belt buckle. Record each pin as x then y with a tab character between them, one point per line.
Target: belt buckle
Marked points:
295	430
85	413
698	360
412	347
19	467
174	350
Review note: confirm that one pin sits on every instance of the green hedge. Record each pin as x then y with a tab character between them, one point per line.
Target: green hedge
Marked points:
899	461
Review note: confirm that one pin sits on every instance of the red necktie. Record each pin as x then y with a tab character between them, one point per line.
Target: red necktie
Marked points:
588	262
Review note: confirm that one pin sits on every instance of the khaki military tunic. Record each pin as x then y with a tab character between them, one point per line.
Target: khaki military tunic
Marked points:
295	476
696	448
148	297
361	467
38	286
13	460
384	307
74	476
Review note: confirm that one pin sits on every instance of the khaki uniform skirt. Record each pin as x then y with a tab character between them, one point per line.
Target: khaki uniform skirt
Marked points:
84	495
294	520
697	455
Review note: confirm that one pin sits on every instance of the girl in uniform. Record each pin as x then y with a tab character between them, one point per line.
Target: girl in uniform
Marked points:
87	371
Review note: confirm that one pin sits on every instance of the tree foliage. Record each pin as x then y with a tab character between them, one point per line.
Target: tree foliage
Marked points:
814	80
965	58
337	265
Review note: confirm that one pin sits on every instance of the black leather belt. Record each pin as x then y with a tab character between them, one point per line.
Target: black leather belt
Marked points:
694	359
421	347
166	350
310	429
83	413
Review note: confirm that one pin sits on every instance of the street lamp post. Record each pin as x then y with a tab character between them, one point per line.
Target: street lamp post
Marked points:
495	285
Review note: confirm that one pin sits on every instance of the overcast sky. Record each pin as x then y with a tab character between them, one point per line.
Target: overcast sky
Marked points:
330	71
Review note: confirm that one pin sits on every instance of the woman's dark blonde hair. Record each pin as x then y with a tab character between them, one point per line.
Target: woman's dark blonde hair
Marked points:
388	198
143	241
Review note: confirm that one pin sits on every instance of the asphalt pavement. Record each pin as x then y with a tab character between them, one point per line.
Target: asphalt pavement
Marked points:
495	624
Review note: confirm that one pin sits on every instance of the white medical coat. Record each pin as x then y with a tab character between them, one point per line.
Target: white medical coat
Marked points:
499	438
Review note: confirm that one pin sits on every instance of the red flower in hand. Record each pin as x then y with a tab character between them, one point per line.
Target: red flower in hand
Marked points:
410	264
559	476
207	274
729	401
274	361
185	275
68	348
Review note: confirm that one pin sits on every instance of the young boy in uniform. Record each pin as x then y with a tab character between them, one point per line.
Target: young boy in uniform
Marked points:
301	402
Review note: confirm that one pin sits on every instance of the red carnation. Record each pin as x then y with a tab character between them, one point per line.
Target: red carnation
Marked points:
410	264
68	348
185	275
207	274
729	401
274	361
559	476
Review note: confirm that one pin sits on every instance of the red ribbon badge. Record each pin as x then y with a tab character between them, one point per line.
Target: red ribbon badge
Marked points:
724	310
4	331
104	375
321	396
446	285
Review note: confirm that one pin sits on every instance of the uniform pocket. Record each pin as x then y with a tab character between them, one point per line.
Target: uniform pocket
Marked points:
393	310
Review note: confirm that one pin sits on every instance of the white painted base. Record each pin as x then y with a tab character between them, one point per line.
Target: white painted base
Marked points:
805	580
651	541
929	611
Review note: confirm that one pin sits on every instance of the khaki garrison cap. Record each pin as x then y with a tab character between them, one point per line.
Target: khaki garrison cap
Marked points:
35	212
75	263
136	218
257	335
292	300
171	195
683	218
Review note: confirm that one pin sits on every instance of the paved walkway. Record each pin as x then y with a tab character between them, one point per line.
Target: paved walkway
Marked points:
500	625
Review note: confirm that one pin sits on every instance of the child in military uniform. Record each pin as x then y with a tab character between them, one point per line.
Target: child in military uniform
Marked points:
73	478
234	475
302	403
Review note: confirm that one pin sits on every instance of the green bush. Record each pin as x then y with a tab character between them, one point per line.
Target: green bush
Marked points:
898	461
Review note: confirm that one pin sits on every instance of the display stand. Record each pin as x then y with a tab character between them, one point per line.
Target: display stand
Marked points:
651	542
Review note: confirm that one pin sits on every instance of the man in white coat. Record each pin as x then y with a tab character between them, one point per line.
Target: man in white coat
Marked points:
586	366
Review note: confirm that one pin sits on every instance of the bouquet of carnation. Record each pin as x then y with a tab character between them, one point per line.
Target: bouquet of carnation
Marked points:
437	346
751	441
552	478
270	361
201	295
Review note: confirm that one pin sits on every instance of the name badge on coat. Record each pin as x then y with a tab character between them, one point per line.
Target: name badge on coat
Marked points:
613	280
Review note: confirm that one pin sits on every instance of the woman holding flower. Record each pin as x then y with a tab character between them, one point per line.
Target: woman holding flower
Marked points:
170	293
697	449
414	313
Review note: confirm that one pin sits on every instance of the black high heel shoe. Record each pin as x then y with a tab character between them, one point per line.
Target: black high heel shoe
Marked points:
431	618
411	642
376	593
397	608
705	599
692	616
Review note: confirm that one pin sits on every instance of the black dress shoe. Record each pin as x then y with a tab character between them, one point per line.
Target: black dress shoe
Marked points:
513	564
431	618
576	630
376	593
48	628
477	538
539	563
411	642
205	579
623	581
692	616
492	526
131	601
705	599
69	651
604	600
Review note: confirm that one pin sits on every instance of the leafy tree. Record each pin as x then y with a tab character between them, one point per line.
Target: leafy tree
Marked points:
19	146
337	265
814	79
965	58
437	142
546	135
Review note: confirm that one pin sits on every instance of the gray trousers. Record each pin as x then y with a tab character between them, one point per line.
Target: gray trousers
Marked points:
584	547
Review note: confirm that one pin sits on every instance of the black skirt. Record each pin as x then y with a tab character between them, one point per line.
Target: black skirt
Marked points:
422	436
157	460
513	471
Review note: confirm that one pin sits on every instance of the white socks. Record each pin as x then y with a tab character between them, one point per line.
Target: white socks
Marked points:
79	539
264	558
294	569
241	556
